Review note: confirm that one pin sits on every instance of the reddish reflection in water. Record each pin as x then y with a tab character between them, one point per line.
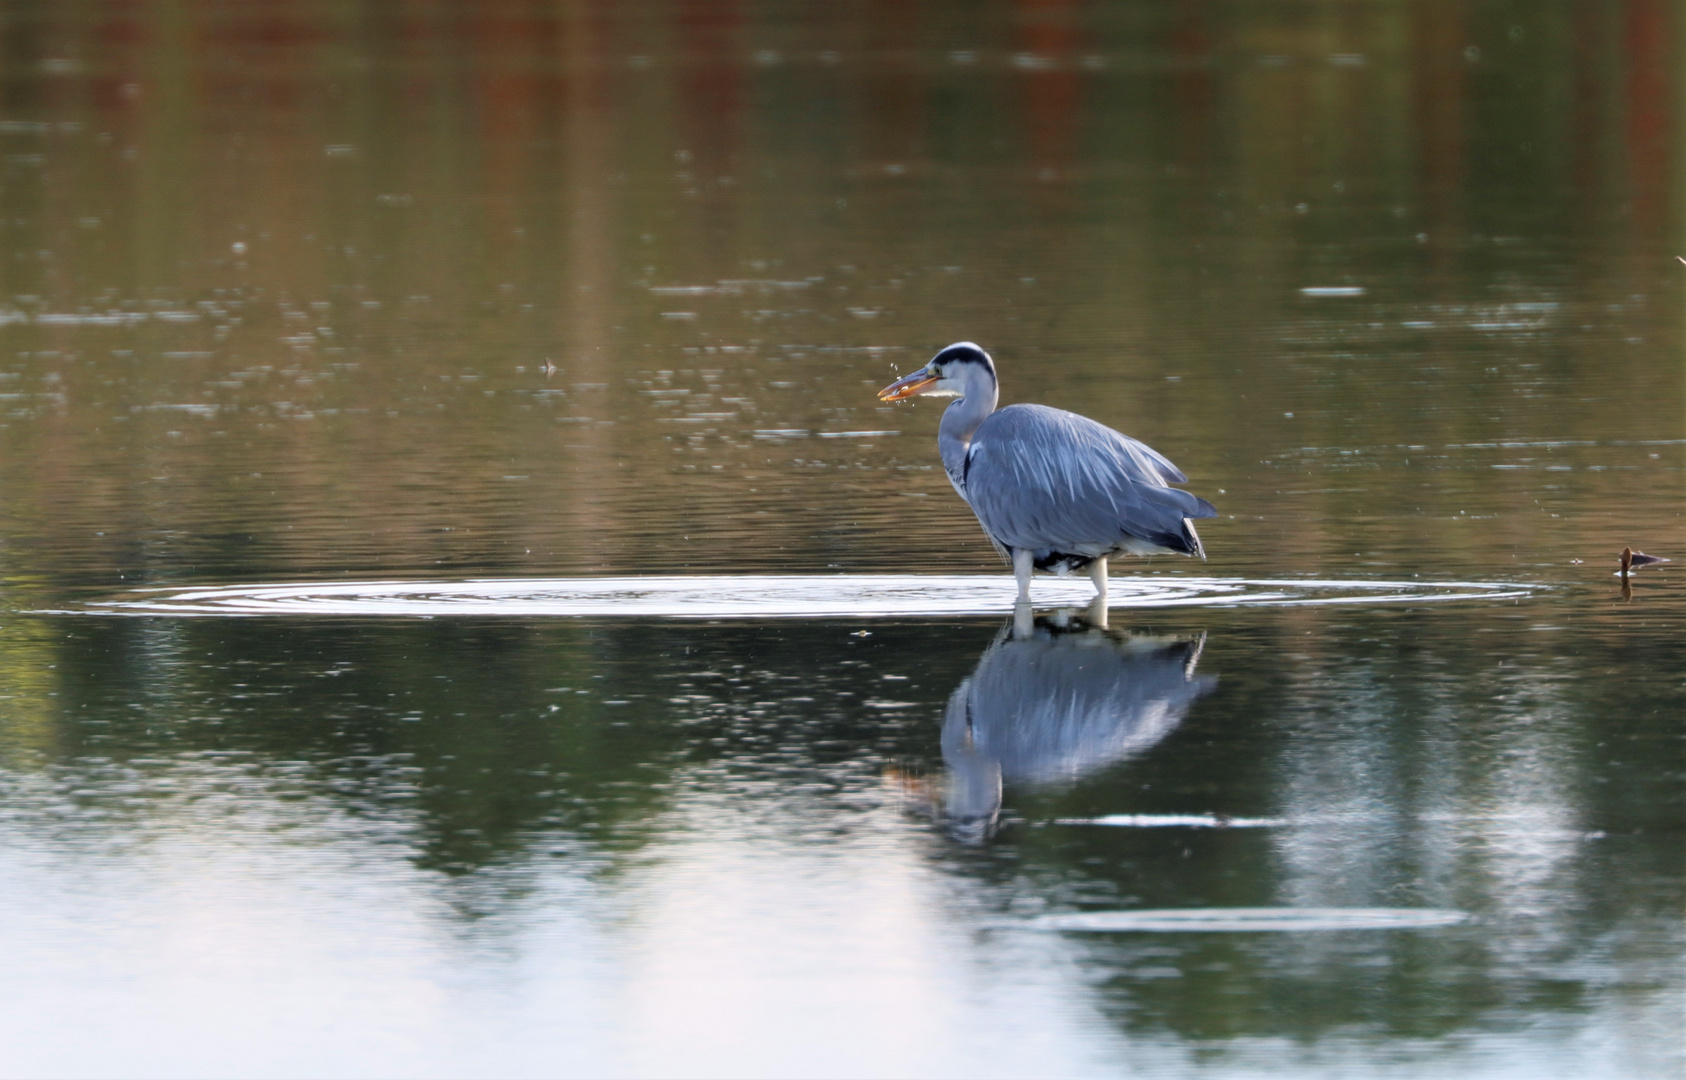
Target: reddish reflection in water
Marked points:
294	289
1648	44
1049	40
1440	62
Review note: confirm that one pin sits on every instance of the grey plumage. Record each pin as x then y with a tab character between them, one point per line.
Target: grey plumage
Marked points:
1053	490
1067	487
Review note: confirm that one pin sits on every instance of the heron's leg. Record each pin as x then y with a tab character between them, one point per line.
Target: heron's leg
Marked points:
1097	612
1023	563
1097	574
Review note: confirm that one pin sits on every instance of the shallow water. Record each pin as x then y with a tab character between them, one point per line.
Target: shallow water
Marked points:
464	611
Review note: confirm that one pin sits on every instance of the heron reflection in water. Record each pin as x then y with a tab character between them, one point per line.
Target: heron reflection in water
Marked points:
1053	490
1064	699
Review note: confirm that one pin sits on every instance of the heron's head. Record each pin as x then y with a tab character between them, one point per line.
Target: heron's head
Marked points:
951	373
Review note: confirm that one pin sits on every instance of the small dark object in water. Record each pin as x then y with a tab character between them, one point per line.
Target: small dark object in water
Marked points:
1632	559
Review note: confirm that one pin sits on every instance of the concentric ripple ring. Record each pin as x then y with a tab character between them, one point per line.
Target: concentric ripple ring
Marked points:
765	596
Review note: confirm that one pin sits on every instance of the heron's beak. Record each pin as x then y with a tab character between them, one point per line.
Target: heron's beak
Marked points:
907	386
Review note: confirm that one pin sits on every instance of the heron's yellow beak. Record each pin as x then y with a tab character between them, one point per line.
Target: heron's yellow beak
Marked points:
907	386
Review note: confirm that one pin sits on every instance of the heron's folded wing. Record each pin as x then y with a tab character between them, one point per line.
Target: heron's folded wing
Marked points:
1044	478
1147	459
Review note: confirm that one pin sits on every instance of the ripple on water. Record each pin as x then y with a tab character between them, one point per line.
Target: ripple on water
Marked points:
1245	920
767	596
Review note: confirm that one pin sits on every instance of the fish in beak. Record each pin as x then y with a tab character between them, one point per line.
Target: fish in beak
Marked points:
907	385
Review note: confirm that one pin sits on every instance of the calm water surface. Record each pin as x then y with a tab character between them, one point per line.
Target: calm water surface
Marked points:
330	294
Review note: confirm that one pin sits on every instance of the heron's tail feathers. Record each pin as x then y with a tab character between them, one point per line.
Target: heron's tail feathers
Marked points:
1192	538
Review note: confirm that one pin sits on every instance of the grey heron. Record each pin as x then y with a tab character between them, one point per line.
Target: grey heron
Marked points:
1053	490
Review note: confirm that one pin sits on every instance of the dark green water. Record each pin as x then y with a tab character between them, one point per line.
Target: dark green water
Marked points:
340	293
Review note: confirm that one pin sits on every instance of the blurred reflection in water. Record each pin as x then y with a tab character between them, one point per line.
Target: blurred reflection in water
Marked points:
1056	701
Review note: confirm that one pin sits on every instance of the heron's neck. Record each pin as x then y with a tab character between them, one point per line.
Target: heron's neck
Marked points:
960	420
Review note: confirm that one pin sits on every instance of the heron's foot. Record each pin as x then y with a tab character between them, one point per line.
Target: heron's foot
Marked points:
1024	622
1097	612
